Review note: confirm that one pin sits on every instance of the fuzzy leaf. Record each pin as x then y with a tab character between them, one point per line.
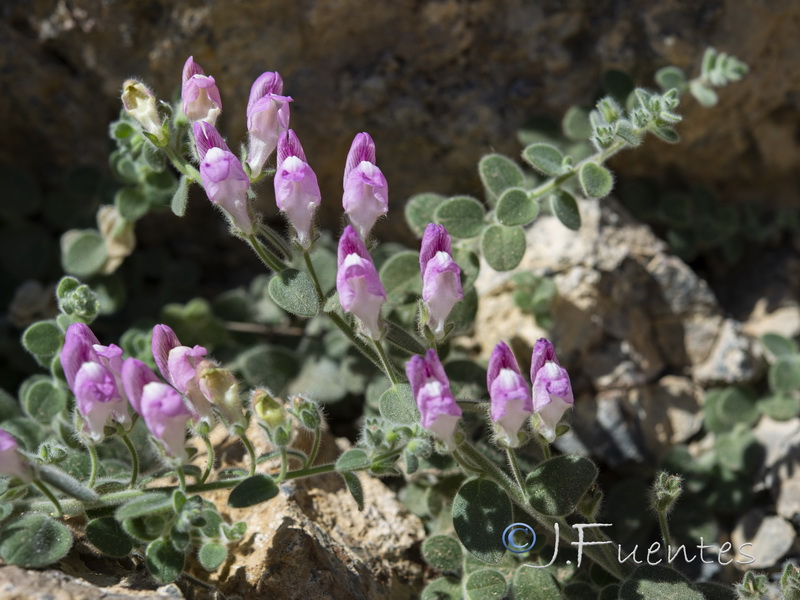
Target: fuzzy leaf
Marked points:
34	541
397	405
253	490
401	278
657	583
498	173
485	584
43	339
557	485
181	197
294	292
148	504
107	535
535	584
545	158
419	211
481	512
443	553
565	208
212	555
596	181
516	207
354	459
503	247
163	561
83	253
353	484
462	216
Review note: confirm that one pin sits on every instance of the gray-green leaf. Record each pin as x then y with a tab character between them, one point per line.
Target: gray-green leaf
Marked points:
516	207
565	208
253	490
481	512
462	216
294	292
557	485
596	181
34	541
545	158
503	247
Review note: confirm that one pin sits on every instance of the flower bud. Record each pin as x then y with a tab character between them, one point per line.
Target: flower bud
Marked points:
552	390
441	278
200	98
431	389
224	180
267	119
221	388
296	189
267	409
307	412
511	400
140	104
666	491
11	461
360	289
366	193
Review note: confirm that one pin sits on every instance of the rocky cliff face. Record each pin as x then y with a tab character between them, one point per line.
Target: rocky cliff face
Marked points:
438	83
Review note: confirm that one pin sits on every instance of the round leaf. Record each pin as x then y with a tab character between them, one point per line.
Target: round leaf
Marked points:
462	216
401	278
516	207
443	553
443	588
34	541
212	555
545	158
294	292
481	512
419	211
780	408
566	209
670	77
779	345
397	405
131	203
503	247
784	374
163	561
576	124
485	584
253	490
657	583
556	486
43	400
43	338
83	253
353	460
530	582
107	535
498	173
596	181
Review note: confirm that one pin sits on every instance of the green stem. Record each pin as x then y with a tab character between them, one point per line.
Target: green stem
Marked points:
183	165
210	462
276	238
134	458
545	446
662	521
313	272
50	496
250	451
512	462
348	332
94	463
301	457
387	366
284	463
265	254
314	447
181	478
310	471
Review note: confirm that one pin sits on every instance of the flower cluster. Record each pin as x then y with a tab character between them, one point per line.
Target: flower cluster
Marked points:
512	401
109	389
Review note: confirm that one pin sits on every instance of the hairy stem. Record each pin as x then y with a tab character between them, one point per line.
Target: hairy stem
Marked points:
94	464
265	254
314	447
50	496
387	366
250	451
134	458
210	461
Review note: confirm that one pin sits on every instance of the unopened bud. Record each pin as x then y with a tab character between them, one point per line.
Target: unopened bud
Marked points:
281	436
666	491
140	104
221	388
790	582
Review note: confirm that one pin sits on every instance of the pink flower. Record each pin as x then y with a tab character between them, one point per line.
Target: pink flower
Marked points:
223	176
435	401
296	189
360	289
267	119
441	277
552	390
199	95
180	366
511	400
366	193
160	405
11	462
93	374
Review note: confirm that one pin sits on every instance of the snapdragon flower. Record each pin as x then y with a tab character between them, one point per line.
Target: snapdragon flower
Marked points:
93	374
431	389
361	292
511	400
180	367
11	461
267	119
200	98
160	405
441	277
366	193
141	105
552	390
296	189
223	176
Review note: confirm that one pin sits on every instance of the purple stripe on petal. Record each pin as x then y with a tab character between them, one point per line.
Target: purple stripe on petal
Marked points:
362	149
164	340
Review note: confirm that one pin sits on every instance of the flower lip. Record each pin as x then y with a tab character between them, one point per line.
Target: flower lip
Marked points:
206	137
269	83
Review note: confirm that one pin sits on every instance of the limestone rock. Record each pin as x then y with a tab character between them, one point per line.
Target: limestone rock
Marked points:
771	537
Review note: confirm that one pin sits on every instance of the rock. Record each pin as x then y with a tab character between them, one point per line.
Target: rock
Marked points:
22	584
437	83
733	358
788	503
771	538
